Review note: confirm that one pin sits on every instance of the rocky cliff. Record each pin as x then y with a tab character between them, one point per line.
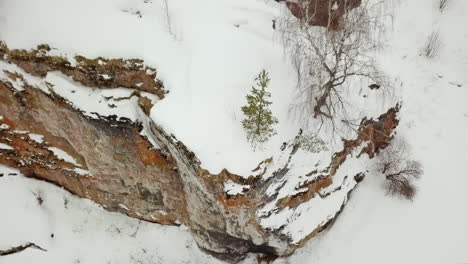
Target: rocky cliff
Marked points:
67	120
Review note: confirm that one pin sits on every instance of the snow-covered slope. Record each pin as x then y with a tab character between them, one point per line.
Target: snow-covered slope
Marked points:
434	118
208	63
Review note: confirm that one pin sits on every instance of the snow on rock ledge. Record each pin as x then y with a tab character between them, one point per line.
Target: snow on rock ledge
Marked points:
110	151
233	188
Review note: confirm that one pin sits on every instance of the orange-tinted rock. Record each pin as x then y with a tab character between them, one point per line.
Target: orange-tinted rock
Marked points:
125	172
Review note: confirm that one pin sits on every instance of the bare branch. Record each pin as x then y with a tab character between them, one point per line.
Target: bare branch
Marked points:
20	248
443	5
433	45
168	17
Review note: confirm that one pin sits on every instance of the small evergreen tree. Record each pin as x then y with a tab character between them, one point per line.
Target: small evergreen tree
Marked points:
259	121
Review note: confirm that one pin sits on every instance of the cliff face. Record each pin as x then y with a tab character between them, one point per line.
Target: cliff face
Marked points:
128	164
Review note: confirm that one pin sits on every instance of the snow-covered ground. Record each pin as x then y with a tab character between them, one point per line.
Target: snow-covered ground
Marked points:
207	58
434	119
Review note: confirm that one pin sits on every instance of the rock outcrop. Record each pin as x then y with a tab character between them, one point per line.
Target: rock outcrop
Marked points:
131	165
99	72
324	13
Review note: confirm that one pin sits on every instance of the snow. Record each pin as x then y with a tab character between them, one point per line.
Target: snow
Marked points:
301	164
19	132
375	228
32	80
106	76
93	101
5	146
17	84
38	138
208	64
80	171
297	223
123	207
233	188
63	156
335	6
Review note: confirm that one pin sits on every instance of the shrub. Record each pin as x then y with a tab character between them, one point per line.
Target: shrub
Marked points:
38	195
399	170
311	143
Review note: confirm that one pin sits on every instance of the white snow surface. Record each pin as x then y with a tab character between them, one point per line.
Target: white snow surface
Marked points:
233	188
36	137
63	156
208	63
5	146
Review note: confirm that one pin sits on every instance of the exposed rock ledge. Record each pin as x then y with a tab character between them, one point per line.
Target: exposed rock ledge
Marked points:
130	165
323	13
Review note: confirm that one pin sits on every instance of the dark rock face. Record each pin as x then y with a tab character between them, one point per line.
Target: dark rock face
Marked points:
324	13
123	171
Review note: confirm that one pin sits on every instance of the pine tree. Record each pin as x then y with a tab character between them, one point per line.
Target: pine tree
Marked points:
259	121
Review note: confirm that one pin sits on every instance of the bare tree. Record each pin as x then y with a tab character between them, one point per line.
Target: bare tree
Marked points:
399	170
328	58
